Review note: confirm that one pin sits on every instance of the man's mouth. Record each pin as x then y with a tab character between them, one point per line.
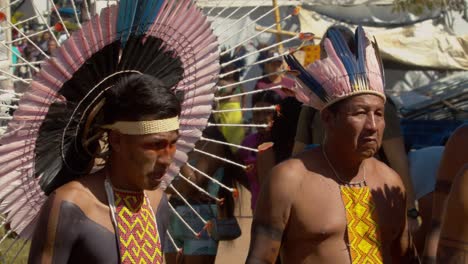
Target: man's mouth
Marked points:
157	175
369	139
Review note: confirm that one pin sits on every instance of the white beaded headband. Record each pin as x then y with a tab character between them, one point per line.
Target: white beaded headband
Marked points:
145	127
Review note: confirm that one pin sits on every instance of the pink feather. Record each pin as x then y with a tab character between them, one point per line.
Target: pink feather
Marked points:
54	78
190	135
72	54
194	122
65	60
202	90
75	50
199	100
373	68
91	39
96	23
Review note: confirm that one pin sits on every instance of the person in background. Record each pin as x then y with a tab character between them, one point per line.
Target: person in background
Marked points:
230	86
448	237
14	55
249	158
202	249
424	164
280	132
273	69
453	242
44	41
51	46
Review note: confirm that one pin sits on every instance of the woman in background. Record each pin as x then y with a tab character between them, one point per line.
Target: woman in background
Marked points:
281	132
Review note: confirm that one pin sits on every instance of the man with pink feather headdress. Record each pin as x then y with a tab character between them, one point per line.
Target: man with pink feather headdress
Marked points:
336	203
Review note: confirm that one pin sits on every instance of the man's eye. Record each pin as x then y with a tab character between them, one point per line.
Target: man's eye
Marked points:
160	144
156	145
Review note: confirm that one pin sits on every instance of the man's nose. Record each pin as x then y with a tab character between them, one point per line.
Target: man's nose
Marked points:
371	122
167	154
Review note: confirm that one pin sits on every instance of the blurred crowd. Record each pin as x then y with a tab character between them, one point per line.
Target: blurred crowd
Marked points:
33	49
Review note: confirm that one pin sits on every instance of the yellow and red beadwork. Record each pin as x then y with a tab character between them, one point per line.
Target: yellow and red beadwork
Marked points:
138	234
363	231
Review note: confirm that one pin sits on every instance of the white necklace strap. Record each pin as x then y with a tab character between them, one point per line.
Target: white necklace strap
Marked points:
350	183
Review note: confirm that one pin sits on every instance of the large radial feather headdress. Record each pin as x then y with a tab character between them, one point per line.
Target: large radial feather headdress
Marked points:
343	73
169	39
46	143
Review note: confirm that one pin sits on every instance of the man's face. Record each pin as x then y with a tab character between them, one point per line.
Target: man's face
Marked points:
46	36
263	117
146	157
51	45
273	66
358	125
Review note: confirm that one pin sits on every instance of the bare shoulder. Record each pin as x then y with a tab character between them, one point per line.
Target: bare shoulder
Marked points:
385	173
461	134
291	171
156	197
294	171
79	192
459	140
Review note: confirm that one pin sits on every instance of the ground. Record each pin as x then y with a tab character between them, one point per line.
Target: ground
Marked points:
11	245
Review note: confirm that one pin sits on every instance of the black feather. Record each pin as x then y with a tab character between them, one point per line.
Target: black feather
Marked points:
59	154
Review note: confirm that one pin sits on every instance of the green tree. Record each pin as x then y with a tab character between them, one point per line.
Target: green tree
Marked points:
417	7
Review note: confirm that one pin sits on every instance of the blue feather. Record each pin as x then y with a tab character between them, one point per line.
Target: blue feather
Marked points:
345	54
148	9
125	18
136	16
360	39
306	78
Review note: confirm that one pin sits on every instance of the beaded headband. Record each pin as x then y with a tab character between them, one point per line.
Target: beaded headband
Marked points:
145	127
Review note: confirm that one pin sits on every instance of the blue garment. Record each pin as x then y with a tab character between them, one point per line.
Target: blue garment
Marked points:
424	164
14	56
183	237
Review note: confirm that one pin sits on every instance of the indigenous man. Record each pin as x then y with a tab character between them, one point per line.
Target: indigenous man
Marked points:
92	144
108	215
453	242
336	203
448	240
310	131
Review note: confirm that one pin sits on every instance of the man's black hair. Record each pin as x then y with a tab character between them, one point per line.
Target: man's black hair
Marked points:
335	107
284	126
268	96
136	97
347	34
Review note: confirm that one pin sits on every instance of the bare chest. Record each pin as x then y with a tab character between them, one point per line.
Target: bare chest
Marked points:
320	216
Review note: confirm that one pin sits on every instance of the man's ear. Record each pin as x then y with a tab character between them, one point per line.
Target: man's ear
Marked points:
115	140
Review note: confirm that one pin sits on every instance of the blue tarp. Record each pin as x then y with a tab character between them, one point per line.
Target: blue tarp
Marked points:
425	133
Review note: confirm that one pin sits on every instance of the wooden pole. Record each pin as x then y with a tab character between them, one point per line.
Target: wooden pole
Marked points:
5	60
274	31
278	25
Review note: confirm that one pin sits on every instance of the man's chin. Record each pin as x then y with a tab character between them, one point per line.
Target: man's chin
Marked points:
367	153
153	184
